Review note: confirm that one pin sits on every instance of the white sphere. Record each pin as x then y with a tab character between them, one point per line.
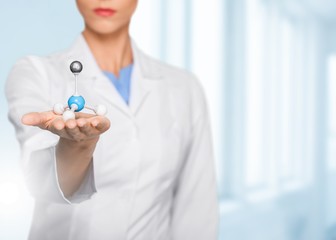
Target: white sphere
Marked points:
100	110
68	115
58	108
74	107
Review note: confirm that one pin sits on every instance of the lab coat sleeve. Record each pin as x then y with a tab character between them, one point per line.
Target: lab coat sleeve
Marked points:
28	90
195	211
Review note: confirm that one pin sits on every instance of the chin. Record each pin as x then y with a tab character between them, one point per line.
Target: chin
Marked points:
108	28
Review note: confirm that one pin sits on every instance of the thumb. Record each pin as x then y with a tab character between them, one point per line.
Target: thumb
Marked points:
36	119
31	119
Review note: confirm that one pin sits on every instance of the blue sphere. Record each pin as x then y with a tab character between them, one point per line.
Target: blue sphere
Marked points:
78	100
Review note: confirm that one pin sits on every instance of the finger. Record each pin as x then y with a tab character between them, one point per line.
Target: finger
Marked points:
81	122
58	127
85	127
37	119
58	124
72	129
102	124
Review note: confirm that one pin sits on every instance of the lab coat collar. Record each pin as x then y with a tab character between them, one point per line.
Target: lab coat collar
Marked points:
145	76
81	49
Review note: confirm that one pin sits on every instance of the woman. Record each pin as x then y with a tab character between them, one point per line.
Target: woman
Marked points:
146	170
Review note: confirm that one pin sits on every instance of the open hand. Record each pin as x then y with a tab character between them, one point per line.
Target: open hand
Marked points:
84	127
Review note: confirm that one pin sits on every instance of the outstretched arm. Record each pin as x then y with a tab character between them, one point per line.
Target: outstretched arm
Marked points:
77	142
56	156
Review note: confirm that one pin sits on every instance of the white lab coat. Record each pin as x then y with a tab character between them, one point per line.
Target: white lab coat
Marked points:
153	174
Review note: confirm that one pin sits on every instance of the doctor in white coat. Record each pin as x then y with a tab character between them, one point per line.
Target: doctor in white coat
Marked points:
145	171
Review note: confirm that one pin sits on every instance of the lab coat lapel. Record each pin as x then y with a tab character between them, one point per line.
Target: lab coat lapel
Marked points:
106	90
145	79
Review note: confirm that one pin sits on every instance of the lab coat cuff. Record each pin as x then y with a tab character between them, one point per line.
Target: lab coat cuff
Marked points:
86	190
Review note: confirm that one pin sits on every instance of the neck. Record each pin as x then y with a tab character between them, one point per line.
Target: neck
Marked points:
112	52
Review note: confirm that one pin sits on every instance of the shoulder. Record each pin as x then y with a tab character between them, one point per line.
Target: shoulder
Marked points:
184	85
174	75
33	72
178	76
35	64
24	69
27	62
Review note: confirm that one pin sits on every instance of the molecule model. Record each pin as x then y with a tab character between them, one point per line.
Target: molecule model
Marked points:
76	102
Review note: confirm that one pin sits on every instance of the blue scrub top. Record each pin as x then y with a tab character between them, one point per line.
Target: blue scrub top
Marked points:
122	84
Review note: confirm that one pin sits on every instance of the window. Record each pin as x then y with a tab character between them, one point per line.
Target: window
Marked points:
254	168
270	157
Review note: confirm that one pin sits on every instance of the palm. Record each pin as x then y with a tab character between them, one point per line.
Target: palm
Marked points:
84	127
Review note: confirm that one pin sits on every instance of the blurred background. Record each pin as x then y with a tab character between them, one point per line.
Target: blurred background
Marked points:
269	71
